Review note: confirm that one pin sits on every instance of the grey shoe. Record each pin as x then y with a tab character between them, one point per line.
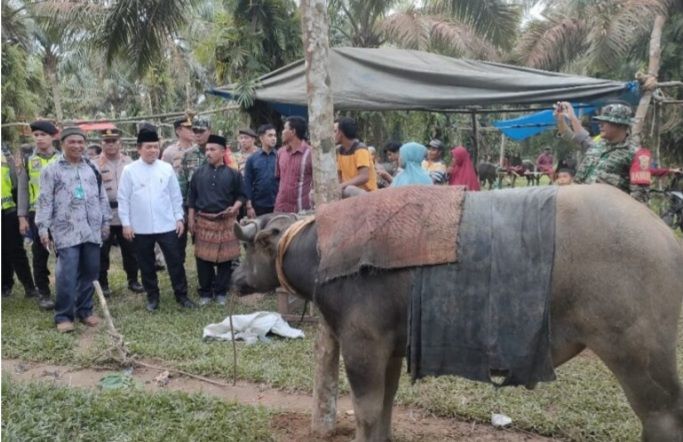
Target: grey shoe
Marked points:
204	301
220	300
45	303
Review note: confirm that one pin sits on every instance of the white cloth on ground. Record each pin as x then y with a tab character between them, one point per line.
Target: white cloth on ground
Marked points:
252	327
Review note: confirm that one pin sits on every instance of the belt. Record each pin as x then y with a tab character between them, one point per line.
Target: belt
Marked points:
113	204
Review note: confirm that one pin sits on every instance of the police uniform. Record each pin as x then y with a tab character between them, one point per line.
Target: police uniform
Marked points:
13	254
28	192
111	171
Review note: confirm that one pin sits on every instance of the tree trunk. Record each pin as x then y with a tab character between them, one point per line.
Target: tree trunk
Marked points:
320	116
653	70
51	74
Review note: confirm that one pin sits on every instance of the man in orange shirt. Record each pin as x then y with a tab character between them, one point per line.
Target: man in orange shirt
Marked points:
355	167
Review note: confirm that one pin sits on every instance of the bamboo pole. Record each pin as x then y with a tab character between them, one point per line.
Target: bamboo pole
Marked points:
320	115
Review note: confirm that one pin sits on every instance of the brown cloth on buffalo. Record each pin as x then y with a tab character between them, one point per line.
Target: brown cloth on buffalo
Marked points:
215	240
389	229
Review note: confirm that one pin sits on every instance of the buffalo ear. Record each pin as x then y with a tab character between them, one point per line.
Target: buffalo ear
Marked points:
267	239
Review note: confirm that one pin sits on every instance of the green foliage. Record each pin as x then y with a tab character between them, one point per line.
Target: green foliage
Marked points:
45	412
253	38
22	86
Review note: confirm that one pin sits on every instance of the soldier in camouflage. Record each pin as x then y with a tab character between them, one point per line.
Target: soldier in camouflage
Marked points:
607	160
195	157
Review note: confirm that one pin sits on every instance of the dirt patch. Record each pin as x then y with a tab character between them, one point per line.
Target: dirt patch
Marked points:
291	421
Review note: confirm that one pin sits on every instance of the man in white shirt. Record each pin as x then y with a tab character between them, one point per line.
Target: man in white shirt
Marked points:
151	211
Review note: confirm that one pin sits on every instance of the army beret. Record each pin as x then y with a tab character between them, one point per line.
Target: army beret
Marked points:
247	131
217	139
73	130
111	133
200	123
44	126
147	135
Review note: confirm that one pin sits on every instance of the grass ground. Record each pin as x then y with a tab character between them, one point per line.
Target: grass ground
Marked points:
585	403
44	412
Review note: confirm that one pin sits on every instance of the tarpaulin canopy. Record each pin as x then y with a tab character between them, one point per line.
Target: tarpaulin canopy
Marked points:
529	125
397	79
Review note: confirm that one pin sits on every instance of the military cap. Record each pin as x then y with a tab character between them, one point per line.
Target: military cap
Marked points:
435	144
184	121
200	123
111	133
44	126
248	131
147	135
217	139
617	113
73	130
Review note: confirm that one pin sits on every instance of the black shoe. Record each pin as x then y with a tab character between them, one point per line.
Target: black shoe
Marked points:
136	287
152	304
106	291
45	303
159	267
186	302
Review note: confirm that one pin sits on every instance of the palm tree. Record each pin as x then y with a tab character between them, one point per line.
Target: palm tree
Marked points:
473	28
587	36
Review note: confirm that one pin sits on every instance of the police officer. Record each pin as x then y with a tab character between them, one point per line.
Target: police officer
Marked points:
111	163
13	254
28	192
607	160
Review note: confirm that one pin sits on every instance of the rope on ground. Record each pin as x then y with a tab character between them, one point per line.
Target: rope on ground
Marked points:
127	360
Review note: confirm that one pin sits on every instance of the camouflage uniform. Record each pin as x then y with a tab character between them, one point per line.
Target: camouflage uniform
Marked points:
192	160
606	162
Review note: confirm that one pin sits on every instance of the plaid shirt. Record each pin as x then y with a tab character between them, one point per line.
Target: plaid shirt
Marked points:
294	168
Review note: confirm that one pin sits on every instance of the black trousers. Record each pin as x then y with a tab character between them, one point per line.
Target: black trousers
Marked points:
41	273
14	257
263	210
214	278
130	262
144	250
182	241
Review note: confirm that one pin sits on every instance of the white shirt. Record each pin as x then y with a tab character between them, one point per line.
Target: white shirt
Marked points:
149	197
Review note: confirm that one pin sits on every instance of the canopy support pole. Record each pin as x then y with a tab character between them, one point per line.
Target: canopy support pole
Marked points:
475	140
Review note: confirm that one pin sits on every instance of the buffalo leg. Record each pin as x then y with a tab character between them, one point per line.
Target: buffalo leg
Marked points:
646	370
392	376
366	373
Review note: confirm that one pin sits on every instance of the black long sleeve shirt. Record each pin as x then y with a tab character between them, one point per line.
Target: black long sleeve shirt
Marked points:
214	189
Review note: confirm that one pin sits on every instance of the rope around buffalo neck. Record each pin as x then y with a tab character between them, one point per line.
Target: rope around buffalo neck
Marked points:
282	246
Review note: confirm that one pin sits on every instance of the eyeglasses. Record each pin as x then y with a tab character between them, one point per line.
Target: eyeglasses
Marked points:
199	131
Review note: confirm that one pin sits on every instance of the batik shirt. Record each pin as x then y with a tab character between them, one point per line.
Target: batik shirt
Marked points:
71	204
605	162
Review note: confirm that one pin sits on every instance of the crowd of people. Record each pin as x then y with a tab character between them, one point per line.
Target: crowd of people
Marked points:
80	202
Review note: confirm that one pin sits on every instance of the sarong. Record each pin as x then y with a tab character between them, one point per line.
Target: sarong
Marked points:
215	240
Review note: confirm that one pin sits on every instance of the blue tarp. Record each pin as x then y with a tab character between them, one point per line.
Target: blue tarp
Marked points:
526	126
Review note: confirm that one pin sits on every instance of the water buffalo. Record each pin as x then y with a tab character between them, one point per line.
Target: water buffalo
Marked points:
616	289
487	174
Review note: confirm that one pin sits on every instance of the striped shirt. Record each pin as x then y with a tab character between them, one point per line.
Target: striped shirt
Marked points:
294	168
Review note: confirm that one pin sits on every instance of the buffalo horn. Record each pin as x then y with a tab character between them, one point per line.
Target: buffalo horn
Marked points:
247	232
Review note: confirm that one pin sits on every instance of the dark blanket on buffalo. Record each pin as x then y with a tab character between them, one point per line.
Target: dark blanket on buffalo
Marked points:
389	229
488	314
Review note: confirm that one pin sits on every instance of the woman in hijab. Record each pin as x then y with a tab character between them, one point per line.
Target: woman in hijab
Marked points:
410	158
462	170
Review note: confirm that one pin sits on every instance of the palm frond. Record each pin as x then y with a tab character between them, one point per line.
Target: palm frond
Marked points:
551	42
495	20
